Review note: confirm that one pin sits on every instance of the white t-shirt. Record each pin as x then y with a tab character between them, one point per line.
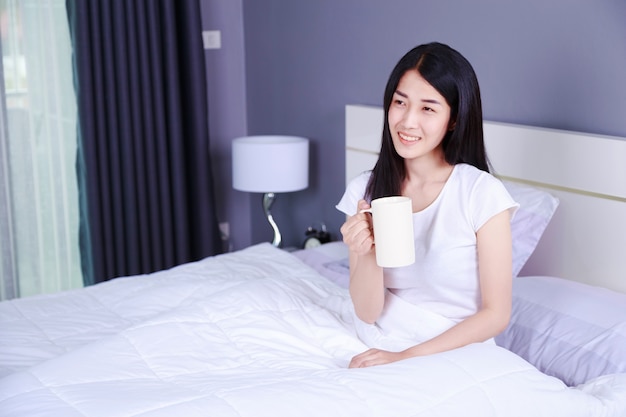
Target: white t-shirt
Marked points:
444	277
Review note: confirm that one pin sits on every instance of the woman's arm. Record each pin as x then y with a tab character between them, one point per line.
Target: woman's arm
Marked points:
495	275
366	277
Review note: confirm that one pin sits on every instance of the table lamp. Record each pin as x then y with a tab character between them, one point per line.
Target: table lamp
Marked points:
270	165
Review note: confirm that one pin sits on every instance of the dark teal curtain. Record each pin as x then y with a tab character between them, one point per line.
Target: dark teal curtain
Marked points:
147	200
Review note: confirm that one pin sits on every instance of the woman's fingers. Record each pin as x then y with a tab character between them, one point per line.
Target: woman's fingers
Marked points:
357	230
374	357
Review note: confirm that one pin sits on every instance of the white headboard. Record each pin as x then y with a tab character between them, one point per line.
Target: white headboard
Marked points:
586	239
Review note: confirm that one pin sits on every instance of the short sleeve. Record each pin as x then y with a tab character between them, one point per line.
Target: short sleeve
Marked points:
488	198
355	191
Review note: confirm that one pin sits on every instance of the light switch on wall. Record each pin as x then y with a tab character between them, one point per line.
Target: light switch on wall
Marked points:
212	39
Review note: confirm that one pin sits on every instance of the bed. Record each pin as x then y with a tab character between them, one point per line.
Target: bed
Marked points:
268	332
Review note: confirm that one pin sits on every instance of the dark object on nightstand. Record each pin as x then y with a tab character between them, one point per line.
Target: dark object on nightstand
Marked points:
315	237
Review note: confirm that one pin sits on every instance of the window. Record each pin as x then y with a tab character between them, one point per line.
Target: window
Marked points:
38	187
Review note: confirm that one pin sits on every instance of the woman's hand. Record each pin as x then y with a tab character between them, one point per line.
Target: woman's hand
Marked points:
373	357
357	231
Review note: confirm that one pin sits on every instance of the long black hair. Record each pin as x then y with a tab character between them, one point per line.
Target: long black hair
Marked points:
454	78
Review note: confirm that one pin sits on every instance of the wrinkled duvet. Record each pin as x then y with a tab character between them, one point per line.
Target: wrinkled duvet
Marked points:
250	333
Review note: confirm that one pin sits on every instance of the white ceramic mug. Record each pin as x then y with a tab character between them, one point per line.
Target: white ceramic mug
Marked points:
393	231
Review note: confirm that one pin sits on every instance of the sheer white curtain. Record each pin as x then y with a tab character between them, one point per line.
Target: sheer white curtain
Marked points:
38	187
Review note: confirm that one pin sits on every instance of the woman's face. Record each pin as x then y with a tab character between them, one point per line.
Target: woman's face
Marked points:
419	117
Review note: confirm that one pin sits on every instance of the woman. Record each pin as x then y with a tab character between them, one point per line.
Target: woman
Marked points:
433	152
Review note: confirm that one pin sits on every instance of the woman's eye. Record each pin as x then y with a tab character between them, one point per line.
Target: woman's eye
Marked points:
398	102
428	109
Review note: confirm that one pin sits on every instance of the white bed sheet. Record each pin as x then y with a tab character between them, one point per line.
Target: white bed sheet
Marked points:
251	333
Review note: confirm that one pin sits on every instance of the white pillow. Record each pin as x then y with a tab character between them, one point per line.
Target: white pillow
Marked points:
566	329
530	220
330	260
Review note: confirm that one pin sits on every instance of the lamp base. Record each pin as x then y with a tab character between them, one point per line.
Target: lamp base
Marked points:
268	200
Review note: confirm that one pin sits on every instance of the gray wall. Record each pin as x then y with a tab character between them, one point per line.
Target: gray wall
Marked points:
558	64
226	90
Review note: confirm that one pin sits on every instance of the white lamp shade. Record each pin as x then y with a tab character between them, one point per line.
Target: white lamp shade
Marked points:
270	164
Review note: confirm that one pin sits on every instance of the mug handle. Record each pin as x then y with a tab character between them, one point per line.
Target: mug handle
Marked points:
369	210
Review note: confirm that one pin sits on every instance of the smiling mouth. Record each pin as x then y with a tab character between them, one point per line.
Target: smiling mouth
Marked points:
408	138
